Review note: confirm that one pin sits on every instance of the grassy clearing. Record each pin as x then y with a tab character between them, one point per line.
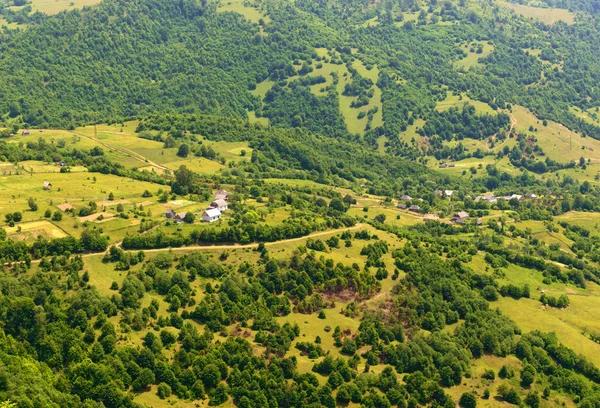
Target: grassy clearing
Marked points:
244	8
77	189
558	142
472	58
394	216
546	15
411	132
30	231
458	101
326	69
590	115
56	6
529	314
262	88
568	324
464	165
587	220
254	119
11	26
539	231
34	166
133	151
478	384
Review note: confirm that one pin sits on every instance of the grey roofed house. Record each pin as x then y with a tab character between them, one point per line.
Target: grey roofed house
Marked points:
406	197
47	185
25	132
220	203
222	195
170	214
180	217
478	221
461	214
414	208
402	206
438	193
430	217
530	195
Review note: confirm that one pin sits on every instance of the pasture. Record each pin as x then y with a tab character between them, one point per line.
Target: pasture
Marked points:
458	101
30	231
569	324
558	142
250	11
545	15
56	6
589	115
473	56
326	68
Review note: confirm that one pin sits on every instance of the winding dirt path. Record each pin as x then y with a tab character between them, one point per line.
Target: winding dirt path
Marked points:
253	245
513	123
223	247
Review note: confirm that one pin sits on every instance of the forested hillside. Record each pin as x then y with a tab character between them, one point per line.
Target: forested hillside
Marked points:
273	203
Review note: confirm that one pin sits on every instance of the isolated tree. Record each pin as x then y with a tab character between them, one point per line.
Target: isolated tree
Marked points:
183	151
468	400
32	204
189	218
337	205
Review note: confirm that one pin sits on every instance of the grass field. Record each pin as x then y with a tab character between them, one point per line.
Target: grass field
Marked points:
29	231
568	324
458	101
56	6
472	58
350	114
546	15
529	314
587	220
590	115
122	145
245	9
558	142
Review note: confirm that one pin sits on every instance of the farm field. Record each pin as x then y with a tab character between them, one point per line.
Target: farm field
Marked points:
123	145
30	231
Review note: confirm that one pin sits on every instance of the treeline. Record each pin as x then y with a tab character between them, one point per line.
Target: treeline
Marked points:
19	251
242	234
456	123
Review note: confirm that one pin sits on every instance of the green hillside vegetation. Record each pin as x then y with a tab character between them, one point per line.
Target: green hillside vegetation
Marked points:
405	199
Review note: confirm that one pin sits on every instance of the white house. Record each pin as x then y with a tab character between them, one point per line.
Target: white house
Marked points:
211	215
219	204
